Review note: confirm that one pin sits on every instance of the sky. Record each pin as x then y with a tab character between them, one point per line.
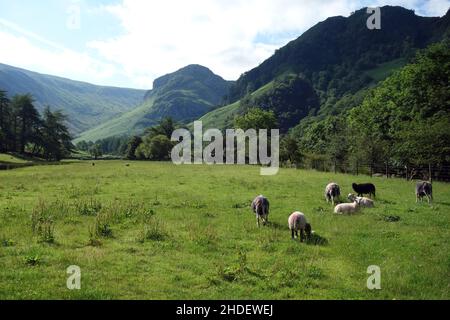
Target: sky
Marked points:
129	43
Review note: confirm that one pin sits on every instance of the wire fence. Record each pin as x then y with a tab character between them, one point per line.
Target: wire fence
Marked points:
418	172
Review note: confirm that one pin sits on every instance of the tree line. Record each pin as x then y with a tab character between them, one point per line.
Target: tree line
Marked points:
24	131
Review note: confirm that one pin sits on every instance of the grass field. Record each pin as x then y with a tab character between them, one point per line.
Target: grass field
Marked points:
7	158
159	231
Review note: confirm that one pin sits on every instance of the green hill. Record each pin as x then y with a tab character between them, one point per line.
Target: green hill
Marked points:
184	95
335	59
85	104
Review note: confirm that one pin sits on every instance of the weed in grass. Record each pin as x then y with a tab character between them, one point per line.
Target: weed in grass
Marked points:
234	272
7	242
94	241
389	218
42	223
241	205
88	207
32	260
153	230
102	226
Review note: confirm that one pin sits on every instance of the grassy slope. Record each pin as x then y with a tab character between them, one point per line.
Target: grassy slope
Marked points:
118	126
208	224
85	104
7	158
222	118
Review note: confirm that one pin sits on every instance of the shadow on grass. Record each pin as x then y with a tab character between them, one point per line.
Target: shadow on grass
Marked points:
276	225
316	240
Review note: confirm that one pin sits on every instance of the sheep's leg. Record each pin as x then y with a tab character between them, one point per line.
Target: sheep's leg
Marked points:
292	234
302	235
257	221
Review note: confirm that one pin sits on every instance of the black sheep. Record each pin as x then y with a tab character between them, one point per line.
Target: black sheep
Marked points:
364	188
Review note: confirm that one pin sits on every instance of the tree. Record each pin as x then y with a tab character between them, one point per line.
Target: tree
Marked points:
154	148
256	118
26	121
95	151
165	127
133	144
4	117
290	150
56	139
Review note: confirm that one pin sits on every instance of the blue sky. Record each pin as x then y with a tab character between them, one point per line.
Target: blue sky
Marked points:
129	43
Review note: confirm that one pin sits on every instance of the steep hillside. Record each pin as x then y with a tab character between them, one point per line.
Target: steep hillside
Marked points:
184	95
335	53
85	104
337	58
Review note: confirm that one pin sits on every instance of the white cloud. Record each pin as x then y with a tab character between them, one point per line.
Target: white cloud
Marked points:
158	37
227	36
31	51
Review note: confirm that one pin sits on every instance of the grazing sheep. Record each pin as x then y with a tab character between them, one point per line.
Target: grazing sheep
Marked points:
332	191
260	207
346	208
362	201
364	188
297	221
424	189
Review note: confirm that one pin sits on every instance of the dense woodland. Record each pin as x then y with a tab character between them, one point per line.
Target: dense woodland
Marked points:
24	131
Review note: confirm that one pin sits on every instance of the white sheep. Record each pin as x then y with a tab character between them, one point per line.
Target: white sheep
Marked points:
362	201
297	221
346	208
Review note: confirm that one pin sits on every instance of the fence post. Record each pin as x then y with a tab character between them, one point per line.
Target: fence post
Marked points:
429	173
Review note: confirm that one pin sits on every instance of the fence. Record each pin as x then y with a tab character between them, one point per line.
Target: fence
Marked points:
420	172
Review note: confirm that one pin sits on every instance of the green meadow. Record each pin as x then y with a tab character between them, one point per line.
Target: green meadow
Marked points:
147	230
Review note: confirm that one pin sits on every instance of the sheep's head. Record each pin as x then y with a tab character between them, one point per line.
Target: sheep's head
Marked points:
351	197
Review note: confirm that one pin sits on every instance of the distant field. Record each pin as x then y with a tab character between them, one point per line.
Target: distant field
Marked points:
186	232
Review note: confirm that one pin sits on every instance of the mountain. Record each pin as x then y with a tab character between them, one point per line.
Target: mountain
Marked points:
337	58
184	95
85	104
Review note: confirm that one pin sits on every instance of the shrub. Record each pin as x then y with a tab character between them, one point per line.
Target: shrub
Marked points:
102	226
88	207
153	230
42	223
